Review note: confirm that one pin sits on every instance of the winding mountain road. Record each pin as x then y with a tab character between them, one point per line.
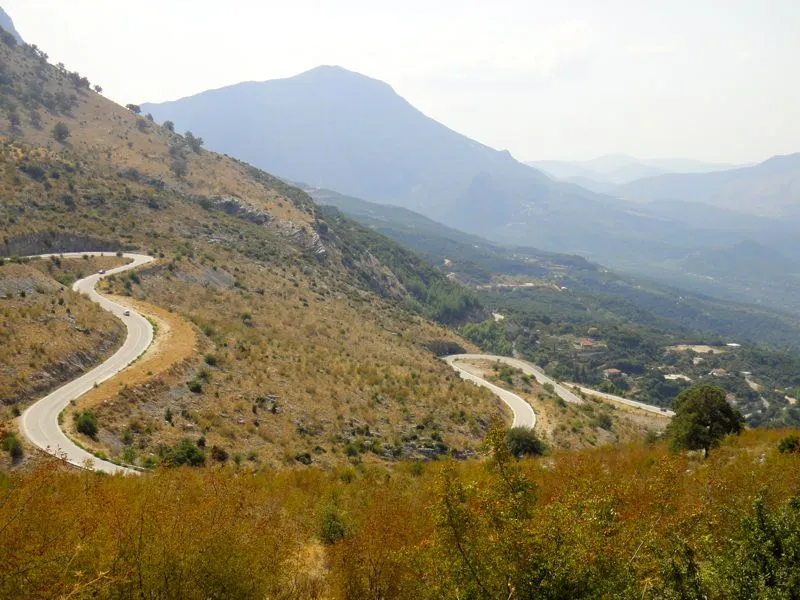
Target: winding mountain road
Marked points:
39	423
633	403
523	413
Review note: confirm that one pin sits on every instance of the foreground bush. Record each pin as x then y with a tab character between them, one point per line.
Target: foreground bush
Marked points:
633	522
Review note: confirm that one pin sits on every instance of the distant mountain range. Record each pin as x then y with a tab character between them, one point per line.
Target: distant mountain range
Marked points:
606	172
341	130
768	189
8	25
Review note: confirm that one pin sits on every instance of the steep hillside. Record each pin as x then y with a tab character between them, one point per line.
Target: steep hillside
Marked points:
340	130
48	334
309	348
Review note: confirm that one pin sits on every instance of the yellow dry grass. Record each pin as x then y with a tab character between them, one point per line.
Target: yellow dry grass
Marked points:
174	343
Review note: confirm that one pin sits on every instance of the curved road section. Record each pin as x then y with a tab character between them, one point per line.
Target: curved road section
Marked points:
635	404
523	412
39	423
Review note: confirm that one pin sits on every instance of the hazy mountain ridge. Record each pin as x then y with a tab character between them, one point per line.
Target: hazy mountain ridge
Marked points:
8	25
614	169
342	130
768	189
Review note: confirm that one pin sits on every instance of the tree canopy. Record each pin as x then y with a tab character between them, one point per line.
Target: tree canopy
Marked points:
702	418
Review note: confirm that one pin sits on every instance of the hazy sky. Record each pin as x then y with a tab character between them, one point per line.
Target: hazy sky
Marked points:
708	79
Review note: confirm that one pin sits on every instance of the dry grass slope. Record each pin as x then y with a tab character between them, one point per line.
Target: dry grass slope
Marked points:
306	349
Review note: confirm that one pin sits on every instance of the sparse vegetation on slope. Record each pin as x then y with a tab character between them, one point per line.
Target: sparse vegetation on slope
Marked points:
563	425
48	333
317	359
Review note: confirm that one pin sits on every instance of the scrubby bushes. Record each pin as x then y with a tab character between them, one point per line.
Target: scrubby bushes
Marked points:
86	423
523	441
61	132
789	444
629	523
12	445
186	452
332	525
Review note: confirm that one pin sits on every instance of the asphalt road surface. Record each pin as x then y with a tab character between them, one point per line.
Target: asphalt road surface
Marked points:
523	412
39	423
520	407
621	400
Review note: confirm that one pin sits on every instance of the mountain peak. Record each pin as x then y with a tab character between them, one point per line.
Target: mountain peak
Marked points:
339	129
326	75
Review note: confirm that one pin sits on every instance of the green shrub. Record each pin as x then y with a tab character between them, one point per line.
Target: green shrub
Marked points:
604	421
13	446
86	423
219	454
352	449
129	455
764	558
523	441
332	525
789	444
61	132
186	452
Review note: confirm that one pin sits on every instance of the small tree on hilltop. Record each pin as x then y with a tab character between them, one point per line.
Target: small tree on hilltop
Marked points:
134	108
169	126
61	132
702	418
